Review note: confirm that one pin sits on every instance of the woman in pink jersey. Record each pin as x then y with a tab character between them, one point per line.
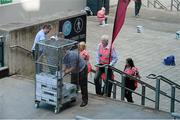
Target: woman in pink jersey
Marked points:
84	54
130	69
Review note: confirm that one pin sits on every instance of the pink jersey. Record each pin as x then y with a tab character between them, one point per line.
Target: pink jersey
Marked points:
84	54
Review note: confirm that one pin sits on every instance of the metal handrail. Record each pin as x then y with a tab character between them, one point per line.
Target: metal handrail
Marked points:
174	86
149	2
169	81
137	79
120	85
143	5
175	5
178	2
146	84
161	77
23	48
129	76
157	90
154	4
160	4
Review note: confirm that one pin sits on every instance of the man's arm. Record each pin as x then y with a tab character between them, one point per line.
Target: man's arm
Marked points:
73	59
68	70
114	58
97	55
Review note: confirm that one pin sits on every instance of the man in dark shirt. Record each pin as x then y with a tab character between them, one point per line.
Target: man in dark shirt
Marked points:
137	7
74	64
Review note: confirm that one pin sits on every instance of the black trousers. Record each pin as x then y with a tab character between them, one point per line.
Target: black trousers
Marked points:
98	82
137	7
39	67
128	96
130	85
33	54
81	80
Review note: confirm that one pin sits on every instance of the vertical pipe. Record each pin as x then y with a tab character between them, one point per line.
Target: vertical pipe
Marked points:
155	2
2	40
148	3
2	54
143	94
171	5
106	81
123	87
157	94
178	6
114	90
173	87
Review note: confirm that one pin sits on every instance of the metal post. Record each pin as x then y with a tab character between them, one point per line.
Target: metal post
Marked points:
157	94
172	4
114	90
123	87
173	87
148	3
106	81
2	54
155	4
1	51
143	94
178	6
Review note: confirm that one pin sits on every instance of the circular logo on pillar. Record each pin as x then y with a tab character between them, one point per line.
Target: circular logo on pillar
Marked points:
78	25
67	27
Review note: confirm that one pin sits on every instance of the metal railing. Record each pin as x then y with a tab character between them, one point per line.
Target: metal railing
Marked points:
1	51
29	52
174	87
155	3
175	4
149	3
144	86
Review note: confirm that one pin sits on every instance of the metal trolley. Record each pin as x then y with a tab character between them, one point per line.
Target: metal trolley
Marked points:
51	86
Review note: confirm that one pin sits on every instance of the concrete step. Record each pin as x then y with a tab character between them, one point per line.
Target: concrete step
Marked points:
17	96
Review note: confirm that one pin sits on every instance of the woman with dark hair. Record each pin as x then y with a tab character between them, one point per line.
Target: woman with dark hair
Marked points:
130	69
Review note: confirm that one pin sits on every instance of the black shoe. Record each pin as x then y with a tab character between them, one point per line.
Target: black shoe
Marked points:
83	104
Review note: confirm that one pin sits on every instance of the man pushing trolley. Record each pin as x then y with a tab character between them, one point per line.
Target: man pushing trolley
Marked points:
51	85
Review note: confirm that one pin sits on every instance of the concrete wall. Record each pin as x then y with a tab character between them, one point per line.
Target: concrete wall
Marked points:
30	9
20	60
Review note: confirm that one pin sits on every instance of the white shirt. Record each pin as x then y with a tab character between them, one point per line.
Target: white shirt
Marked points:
39	36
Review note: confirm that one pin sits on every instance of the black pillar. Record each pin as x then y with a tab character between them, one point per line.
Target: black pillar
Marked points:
96	5
106	5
